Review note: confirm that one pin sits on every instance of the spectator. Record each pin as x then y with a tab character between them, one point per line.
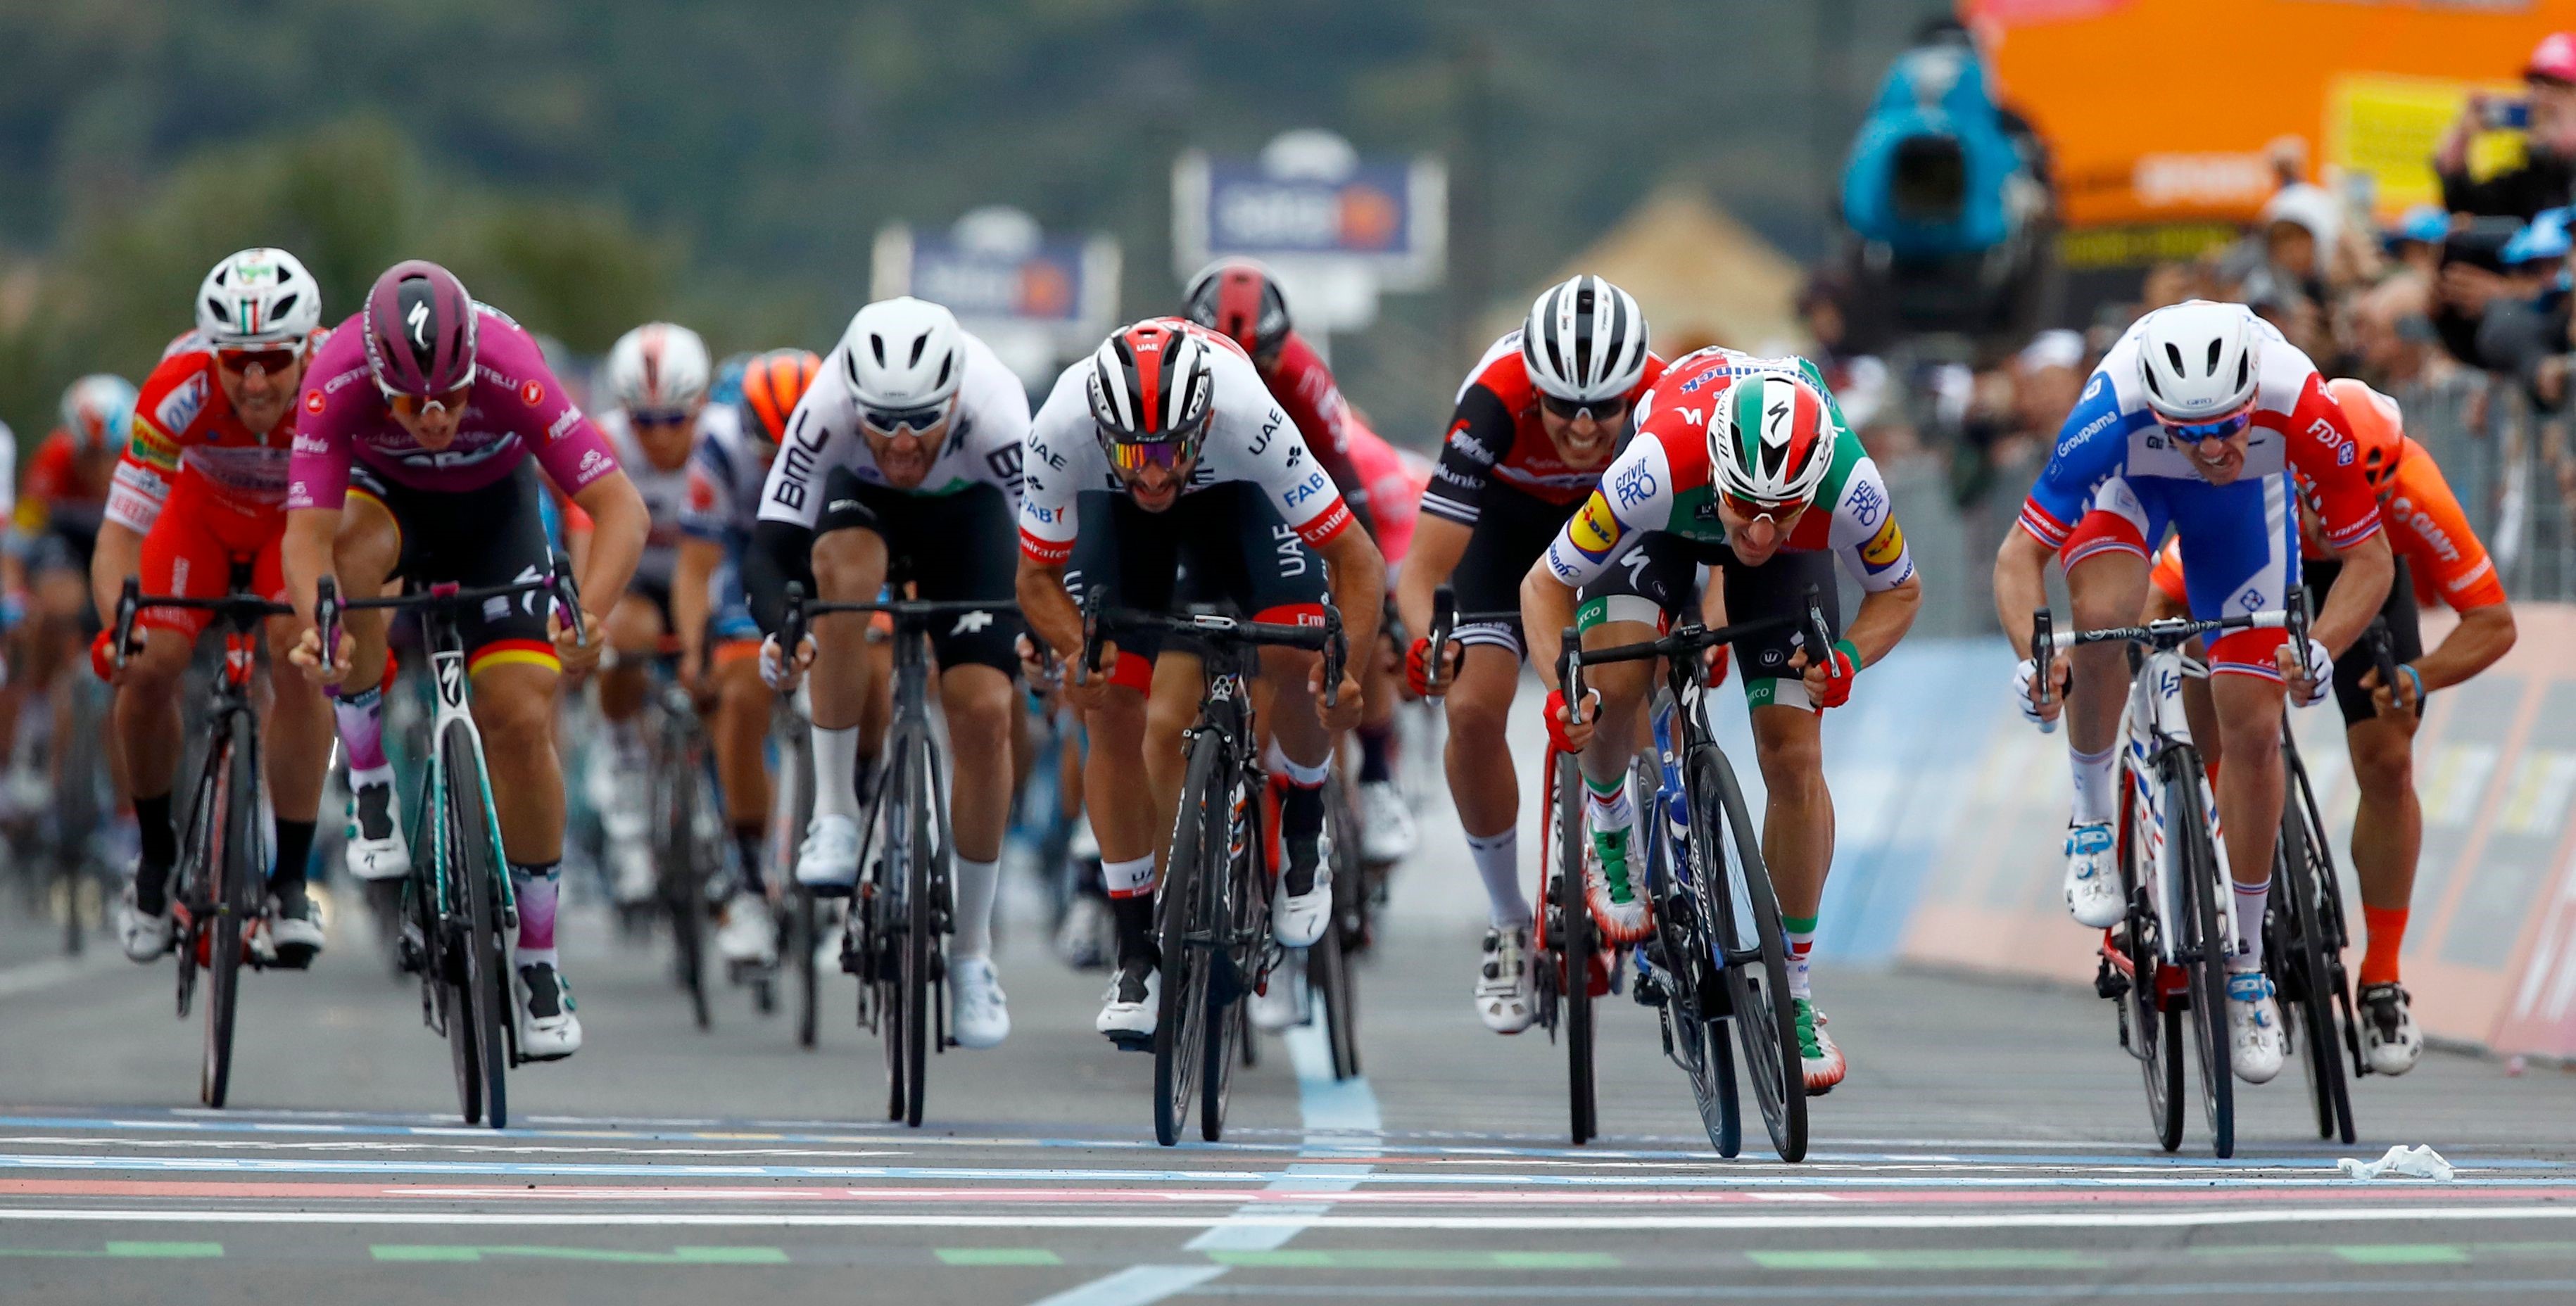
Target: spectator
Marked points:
2392	334
2549	110
2415	243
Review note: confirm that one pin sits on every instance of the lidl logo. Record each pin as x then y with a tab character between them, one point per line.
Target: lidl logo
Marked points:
1595	530
1885	547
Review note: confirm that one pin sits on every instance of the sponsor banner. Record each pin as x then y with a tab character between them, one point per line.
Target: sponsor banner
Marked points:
1066	282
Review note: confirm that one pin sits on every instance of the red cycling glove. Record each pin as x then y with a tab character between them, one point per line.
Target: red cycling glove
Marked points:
1842	668
1554	715
102	656
1718	660
1418	667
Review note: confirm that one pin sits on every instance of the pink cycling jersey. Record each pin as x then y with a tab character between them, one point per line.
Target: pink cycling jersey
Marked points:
517	406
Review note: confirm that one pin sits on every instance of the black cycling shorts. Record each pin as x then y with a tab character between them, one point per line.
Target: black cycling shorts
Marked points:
2405	634
475	539
1220	548
951	548
1657	580
1512	529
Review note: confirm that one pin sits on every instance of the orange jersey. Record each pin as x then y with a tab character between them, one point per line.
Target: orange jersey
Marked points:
183	425
2425	527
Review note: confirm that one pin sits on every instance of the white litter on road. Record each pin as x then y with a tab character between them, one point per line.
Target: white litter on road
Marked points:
2401	1162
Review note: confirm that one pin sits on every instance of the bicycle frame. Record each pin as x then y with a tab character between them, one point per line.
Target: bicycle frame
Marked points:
2153	725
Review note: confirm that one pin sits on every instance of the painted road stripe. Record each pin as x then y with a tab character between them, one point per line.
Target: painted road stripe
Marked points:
1135	1285
2450	1290
1803	1220
126	1251
998	1256
444	1252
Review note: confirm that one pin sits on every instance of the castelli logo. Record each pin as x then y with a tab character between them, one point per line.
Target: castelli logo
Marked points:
533	393
313	401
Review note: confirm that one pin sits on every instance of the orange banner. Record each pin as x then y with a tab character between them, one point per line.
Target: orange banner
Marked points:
2171	110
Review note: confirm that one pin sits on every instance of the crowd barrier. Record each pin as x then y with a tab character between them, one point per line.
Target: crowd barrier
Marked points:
1953	811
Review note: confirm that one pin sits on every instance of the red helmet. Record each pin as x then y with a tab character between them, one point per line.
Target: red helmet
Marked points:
1237	298
773	384
1153	392
2378	430
419	330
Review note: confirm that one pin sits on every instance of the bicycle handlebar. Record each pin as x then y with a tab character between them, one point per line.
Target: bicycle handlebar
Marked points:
329	608
2164	632
1327	639
1687	640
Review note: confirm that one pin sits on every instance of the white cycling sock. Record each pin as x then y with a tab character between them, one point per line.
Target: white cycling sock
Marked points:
2251	899
2097	785
1614	810
975	884
836	771
1498	864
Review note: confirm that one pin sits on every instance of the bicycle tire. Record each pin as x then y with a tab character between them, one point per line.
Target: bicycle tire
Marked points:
2155	1027
1693	1005
486	989
681	882
2200	943
1581	941
793	800
1328	963
1764	1015
920	934
2308	1005
191	878
229	856
1243	913
804	933
1199	837
77	810
881	966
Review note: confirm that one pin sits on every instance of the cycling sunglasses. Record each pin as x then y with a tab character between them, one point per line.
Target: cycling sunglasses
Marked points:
239	362
2220	429
1778	514
409	405
898	421
1605	410
1170	455
658	416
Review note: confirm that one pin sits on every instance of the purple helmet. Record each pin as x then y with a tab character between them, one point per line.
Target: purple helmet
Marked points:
420	330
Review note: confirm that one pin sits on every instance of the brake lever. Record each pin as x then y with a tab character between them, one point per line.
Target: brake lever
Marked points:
326	618
1570	658
128	600
1336	653
1444	620
567	595
1089	663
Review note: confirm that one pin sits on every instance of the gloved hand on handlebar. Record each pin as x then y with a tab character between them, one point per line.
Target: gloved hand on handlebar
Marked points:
2025	676
774	669
1419	672
1565	736
2307	693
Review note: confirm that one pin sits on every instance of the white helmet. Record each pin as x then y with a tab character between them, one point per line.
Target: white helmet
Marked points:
902	356
2200	360
1585	341
659	368
258	298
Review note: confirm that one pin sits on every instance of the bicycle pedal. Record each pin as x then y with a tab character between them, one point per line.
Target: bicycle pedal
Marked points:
1133	1042
1650	992
2109	981
827	890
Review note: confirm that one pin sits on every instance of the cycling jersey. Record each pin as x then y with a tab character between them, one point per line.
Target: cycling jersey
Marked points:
665	495
728	468
985	430
517	409
1495	435
1393	479
185	429
1250	439
1304	386
56	495
1661	482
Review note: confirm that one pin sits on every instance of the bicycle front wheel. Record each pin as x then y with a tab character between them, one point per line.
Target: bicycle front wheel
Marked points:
474	929
236	809
1328	963
682	880
1239	912
920	936
2154	1024
2307	981
1183	928
1582	942
1755	956
2198	942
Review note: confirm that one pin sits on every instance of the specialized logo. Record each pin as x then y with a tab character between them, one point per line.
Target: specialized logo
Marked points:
1595	530
418	320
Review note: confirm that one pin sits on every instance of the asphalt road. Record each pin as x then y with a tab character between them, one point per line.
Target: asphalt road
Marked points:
1990	1145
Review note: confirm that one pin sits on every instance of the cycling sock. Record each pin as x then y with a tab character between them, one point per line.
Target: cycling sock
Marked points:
361	718
2386	928
294	849
2097	790
1612	811
2251	899
1377	747
1498	864
1135	918
160	851
535	886
836	772
974	924
752	842
1301	823
1802	938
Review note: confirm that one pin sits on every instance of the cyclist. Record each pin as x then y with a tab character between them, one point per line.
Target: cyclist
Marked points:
738	435
2439	559
202	490
1239	299
1745	465
1538	419
655	385
412	461
1395	480
902	465
61	501
2197	417
1167	446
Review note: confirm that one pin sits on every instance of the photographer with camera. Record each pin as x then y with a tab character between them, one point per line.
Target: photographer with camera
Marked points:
2545	114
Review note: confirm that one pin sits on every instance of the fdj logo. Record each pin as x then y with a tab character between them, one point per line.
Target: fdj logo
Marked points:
2251	601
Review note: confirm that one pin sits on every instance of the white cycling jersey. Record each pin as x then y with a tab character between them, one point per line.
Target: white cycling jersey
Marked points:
665	493
985	431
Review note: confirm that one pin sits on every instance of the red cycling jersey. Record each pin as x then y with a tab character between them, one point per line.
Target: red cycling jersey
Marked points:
1495	435
185	428
1392	479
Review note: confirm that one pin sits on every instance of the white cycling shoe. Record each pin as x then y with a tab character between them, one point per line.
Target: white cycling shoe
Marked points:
541	1004
1297	920
1276	1005
747	936
2390	1042
1503	981
1132	1005
376	850
2255	1044
144	938
2093	876
977	1012
828	863
1386	823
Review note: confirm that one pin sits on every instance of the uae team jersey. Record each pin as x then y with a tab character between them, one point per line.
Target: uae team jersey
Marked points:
183	425
517	409
2297	427
1661	482
985	432
1250	439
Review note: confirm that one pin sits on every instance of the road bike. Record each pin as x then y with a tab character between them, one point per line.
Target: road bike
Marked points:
2166	962
801	918
458	914
1212	916
686	839
219	889
1718	955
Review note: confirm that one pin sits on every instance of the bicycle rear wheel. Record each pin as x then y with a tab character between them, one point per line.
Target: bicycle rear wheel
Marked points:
2155	1026
1328	963
1695	988
229	857
2307	982
682	881
1582	942
1183	920
2199	943
484	990
1747	927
